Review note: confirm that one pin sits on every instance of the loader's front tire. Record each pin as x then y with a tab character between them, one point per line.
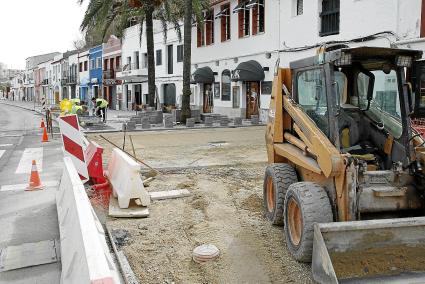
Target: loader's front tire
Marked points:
277	179
306	203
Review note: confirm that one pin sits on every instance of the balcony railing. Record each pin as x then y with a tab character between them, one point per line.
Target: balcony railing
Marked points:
109	74
132	66
72	79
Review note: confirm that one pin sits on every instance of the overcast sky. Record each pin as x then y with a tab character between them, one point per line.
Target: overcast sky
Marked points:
29	27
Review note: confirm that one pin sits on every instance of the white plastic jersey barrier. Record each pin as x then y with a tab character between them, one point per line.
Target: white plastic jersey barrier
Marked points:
84	253
124	175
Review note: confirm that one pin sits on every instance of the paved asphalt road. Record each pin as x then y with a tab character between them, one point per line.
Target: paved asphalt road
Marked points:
27	217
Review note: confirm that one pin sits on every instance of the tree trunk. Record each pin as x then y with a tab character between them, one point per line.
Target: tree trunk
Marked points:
187	42
151	56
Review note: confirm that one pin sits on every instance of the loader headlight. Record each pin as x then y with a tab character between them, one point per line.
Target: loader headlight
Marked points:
344	60
403	61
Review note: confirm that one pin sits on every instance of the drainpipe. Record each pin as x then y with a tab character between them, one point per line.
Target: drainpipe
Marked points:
412	40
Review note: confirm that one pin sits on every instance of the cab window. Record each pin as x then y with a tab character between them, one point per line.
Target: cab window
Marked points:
385	104
311	94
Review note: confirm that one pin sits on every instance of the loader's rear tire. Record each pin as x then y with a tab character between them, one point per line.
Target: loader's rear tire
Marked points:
306	203
277	179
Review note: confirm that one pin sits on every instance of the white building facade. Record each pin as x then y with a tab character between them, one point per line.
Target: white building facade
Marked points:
83	75
30	66
17	87
235	52
168	68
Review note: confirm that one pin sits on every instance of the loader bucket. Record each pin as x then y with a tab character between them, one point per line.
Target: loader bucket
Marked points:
373	251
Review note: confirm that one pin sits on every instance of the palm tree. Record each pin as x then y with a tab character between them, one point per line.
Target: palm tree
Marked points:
187	62
114	16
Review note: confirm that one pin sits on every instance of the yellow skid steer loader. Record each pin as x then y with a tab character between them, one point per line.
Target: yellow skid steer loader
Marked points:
346	173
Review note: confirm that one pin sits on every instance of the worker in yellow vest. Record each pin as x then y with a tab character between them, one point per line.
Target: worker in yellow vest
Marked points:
101	106
76	106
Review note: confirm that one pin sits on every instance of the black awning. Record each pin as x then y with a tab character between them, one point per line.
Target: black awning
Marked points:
248	71
203	75
240	6
222	13
251	4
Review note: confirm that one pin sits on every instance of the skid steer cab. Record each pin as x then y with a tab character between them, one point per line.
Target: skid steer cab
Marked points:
346	169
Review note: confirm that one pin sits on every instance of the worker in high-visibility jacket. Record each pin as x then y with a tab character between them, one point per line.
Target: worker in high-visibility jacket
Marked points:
101	106
76	106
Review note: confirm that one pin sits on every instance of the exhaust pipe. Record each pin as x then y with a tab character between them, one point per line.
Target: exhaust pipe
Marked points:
372	251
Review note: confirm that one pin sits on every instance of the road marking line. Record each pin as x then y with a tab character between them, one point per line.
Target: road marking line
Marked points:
24	166
23	186
1	153
5	145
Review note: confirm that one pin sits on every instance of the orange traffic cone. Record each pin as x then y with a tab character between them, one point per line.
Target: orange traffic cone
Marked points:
42	123
35	182
45	137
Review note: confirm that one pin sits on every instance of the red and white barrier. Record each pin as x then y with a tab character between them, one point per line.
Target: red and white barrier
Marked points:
85	255
124	175
74	143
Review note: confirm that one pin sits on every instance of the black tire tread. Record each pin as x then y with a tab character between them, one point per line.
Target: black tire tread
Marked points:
284	175
315	208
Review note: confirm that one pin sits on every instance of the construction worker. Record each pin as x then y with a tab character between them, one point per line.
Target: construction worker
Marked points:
101	106
76	106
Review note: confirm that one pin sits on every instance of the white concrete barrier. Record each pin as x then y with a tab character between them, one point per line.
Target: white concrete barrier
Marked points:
85	255
124	175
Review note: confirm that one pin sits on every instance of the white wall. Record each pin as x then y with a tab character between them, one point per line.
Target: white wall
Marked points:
239	47
358	18
131	44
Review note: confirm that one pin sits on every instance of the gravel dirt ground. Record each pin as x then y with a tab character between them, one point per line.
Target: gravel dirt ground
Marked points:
224	209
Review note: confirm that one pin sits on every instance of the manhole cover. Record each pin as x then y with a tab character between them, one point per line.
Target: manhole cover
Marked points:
205	253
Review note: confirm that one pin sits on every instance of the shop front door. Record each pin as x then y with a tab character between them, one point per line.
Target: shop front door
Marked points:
208	98
252	98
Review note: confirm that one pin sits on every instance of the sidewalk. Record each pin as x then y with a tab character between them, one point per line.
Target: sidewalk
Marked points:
116	118
112	115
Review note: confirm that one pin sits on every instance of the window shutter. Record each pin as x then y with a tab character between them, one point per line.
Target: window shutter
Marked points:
255	20
240	23
422	31
199	37
223	28
208	32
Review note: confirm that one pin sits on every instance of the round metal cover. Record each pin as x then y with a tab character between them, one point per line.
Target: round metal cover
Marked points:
205	252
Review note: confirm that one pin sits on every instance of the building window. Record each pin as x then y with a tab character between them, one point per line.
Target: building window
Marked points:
205	30
243	20
170	59
200	39
118	62
105	64
329	18
136	60
85	65
258	17
300	7
99	63
225	22
159	57
92	64
81	66
209	27
144	60
225	85
180	53
111	64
